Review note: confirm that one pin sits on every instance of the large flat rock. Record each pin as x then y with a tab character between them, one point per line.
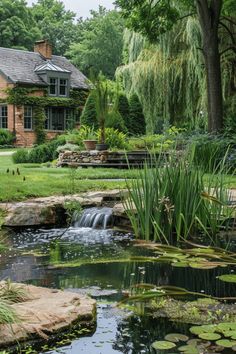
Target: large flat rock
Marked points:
49	210
47	312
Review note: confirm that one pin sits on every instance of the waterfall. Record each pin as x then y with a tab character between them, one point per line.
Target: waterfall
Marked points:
94	218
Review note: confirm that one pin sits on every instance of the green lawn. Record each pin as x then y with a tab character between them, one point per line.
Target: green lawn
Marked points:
36	181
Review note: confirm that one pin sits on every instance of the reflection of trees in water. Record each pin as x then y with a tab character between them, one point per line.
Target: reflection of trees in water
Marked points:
191	279
136	334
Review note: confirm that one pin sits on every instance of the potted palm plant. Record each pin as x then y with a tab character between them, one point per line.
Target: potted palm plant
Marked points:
101	94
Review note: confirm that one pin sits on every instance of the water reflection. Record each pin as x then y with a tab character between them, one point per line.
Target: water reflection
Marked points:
84	260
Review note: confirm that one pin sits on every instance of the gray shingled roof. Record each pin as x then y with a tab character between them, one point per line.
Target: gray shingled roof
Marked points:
18	67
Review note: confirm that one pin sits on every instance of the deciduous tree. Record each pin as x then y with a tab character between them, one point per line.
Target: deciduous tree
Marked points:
153	18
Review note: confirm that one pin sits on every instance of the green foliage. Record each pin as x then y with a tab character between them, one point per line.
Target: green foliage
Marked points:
210	150
197	257
116	121
102	101
39	154
20	156
77	136
137	124
174	202
123	108
21	96
13	293
147	18
39	118
17	26
114	138
7	314
6	137
89	115
55	23
100	46
68	147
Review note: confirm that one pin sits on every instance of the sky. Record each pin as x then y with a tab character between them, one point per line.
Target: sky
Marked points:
82	7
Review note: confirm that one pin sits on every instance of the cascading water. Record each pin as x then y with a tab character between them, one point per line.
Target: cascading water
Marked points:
94	218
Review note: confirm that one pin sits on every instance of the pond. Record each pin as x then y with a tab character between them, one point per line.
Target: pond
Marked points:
85	260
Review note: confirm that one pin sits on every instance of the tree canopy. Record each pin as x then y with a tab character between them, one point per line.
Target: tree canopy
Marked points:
98	47
55	23
17	26
153	18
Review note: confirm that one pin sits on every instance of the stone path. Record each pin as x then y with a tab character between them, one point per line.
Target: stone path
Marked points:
6	153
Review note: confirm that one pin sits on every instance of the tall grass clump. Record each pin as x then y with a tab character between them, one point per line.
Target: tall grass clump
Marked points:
7	313
174	200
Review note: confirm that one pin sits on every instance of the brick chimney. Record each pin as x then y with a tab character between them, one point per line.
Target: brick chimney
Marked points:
44	48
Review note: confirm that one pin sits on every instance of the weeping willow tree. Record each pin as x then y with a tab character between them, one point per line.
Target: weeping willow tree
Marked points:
169	77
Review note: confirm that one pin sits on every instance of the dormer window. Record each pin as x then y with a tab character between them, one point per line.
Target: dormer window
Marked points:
53	86
63	87
58	78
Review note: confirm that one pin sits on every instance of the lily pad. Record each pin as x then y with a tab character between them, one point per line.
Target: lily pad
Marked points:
176	337
163	345
231	334
226	343
203	265
226	326
209	336
189	349
203	329
229	278
180	264
194	342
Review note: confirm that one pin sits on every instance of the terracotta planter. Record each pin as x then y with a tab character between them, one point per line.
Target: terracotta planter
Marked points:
90	144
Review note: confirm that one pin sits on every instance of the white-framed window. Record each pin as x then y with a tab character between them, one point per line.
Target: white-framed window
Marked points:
63	87
3	117
28	118
53	82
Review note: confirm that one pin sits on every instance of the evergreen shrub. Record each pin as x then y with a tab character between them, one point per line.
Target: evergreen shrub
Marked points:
137	124
6	137
124	109
89	114
116	121
20	156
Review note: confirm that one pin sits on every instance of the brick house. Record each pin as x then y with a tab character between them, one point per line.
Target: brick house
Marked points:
39	79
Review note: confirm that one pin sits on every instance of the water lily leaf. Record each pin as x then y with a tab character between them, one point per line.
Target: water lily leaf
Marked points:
163	345
226	326
231	334
226	343
180	264
203	329
229	278
194	342
189	349
176	337
203	265
209	336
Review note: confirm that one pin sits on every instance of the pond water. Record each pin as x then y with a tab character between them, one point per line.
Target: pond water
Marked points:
84	260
